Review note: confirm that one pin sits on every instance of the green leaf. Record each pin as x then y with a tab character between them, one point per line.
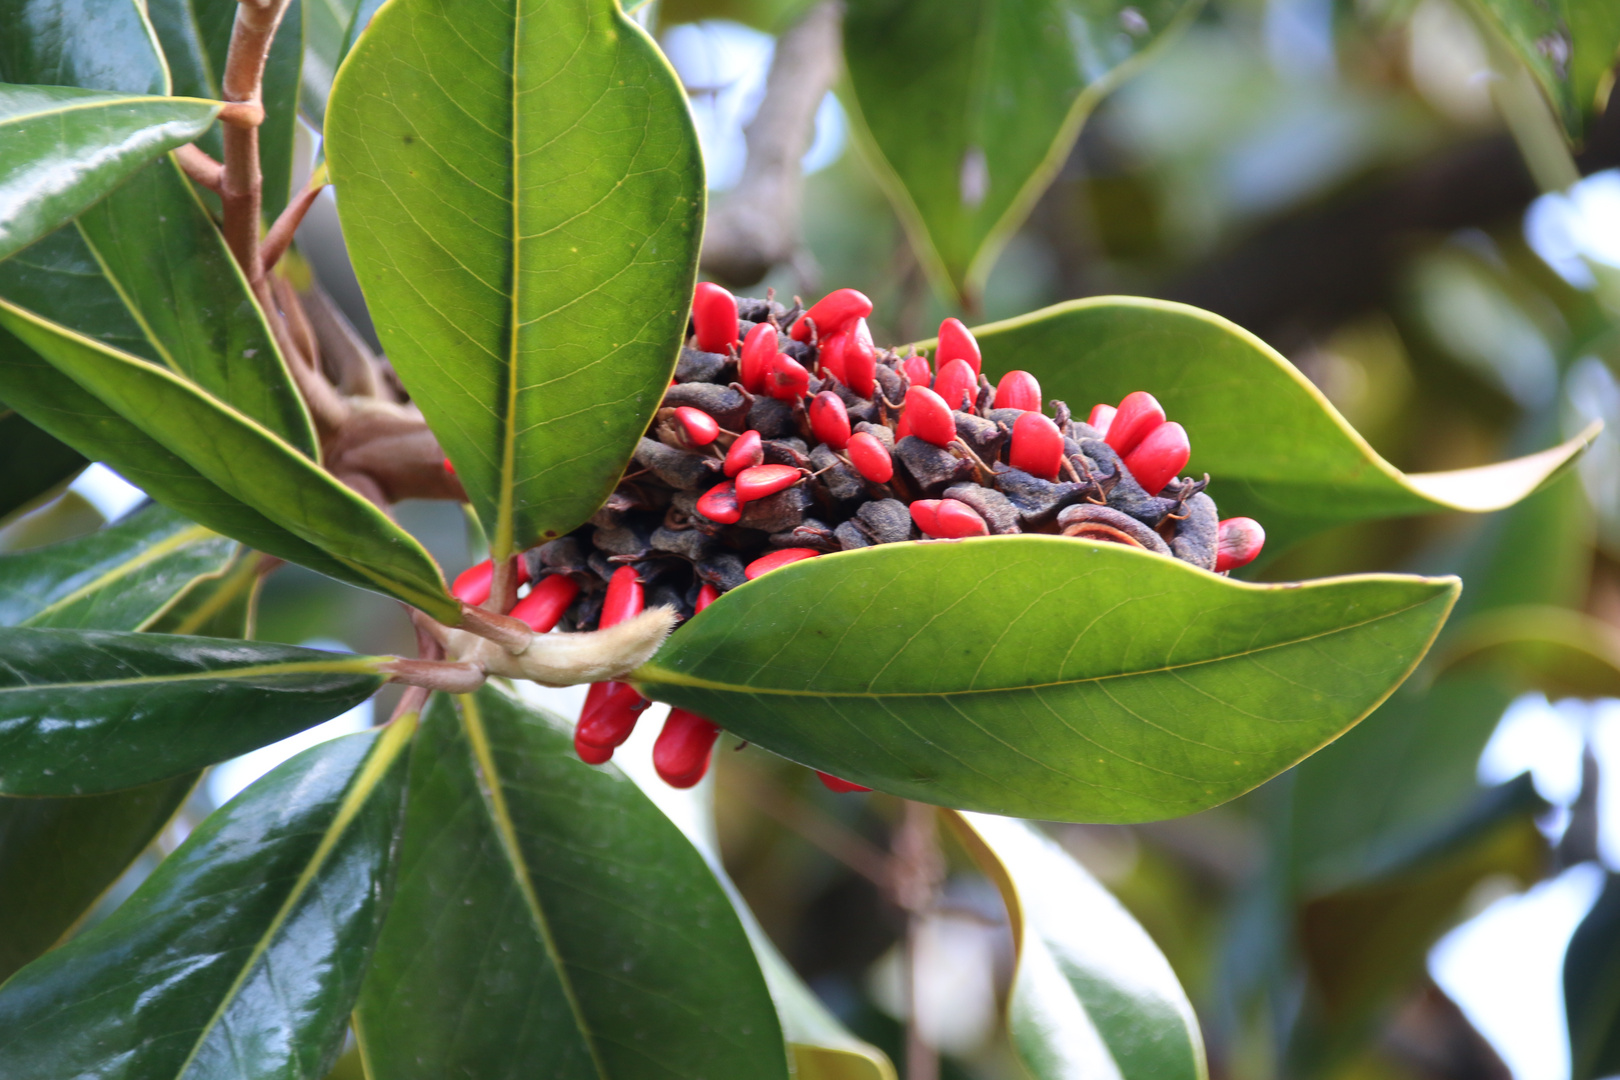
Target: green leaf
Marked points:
330	30
1045	676
966	139
1560	652
32	464
243	952
1274	447
521	190
99	44
87	711
66	148
1592	988
1569	47
336	530
223	606
550	921
1092	995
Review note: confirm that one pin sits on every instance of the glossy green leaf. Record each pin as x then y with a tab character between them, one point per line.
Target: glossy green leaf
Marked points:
522	193
87	711
1560	652
32	464
1592	988
550	921
66	148
968	137
100	44
1569	46
243	952
1274	448
330	30
336	531
222	606
1092	994
1043	676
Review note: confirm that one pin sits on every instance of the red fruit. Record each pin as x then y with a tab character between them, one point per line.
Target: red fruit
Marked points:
830	356
860	360
787	380
759	481
747	450
832	313
1240	542
1102	418
449	468
947	519
590	754
546	602
625	597
829	420
956	342
776	560
870	457
1018	390
707	595
701	428
1137	415
473	584
1159	458
957	384
719	504
929	416
832	783
1037	446
610	715
714	317
758	352
681	754
915	369
925	512
902	428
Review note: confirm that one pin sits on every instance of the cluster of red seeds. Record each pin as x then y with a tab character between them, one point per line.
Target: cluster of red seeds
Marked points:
788	434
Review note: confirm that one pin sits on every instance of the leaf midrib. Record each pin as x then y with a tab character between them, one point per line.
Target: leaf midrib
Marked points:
101	103
366	665
146	557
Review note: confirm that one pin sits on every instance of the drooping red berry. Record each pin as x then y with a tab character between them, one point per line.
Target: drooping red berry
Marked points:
1102	418
546	602
1160	457
759	481
707	595
787	380
957	384
947	519
748	450
830	356
449	468
701	428
472	585
758	352
833	783
860	360
1018	390
625	597
956	342
681	754
610	715
1037	446
591	754
829	420
1239	543
714	317
776	560
916	371
832	313
929	416
1137	415
870	457
719	504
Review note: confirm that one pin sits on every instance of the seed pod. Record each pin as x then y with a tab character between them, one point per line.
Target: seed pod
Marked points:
829	420
833	783
1018	390
787	379
956	342
1122	491
1159	457
983	436
776	560
916	370
886	520
758	309
771	418
789	451
694	545
947	519
890	383
1088	521
810	534
759	481
707	595
850	536
758	353
681	754
1079	429
1037	500
726	404
677	468
1197	533
714	317
777	513
1101	419
932	467
1137	415
832	313
881	432
956	384
724	572
563	553
700	428
860	360
744	453
830	356
625	598
1240	542
698	366
622	539
995	508
720	504
1037	447
928	417
841	481
870	457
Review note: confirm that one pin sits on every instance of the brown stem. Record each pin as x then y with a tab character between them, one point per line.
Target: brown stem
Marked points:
281	233
511	634
242	189
461	677
842	843
200	166
411	701
918	869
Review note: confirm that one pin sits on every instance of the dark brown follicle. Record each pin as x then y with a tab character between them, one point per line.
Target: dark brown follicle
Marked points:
1090	522
1198	532
997	510
679	469
932	467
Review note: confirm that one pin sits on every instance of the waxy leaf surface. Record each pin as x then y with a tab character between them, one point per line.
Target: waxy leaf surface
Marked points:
32	464
550	921
100	44
1044	676
967	138
1569	47
1092	994
521	191
87	711
1274	448
1592	988
242	954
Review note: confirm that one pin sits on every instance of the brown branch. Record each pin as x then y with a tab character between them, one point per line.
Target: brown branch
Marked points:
242	190
281	233
831	836
345	357
200	166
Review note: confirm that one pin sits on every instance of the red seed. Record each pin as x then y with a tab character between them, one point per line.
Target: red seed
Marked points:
916	370
746	451
832	313
625	597
714	317
758	481
1102	418
860	360
701	428
1037	446
546	602
957	384
833	783
776	560
592	755
707	595
830	356
719	504
870	457
956	342
449	468
947	519
1159	458
787	381
610	715
1137	415
829	420
681	754
1018	390
472	584
758	352
1240	541
925	512
902	428
929	416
